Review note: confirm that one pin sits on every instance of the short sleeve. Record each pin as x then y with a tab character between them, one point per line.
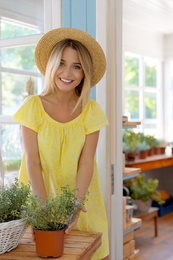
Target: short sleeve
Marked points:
95	118
29	113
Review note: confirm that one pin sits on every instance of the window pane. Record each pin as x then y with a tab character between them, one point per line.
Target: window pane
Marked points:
19	58
150	105
131	70
13	88
132	104
151	129
150	73
13	29
11	146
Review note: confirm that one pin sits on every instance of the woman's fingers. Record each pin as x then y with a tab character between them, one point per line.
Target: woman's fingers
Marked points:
73	223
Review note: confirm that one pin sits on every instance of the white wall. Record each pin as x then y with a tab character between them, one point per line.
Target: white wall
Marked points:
142	41
168	46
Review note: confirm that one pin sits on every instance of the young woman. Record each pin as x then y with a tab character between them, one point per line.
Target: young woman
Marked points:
60	127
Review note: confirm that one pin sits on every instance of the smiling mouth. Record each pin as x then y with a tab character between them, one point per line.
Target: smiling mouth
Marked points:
66	80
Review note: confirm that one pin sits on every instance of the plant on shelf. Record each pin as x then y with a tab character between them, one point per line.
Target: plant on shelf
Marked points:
12	225
163	145
143	147
130	142
153	143
145	191
51	219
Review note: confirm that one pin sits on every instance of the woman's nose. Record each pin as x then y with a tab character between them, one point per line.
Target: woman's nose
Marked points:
67	70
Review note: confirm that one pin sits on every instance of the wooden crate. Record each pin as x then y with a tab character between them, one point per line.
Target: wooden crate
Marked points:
134	256
127	237
128	249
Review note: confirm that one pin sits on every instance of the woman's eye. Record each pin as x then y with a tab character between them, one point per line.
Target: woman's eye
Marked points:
77	67
61	64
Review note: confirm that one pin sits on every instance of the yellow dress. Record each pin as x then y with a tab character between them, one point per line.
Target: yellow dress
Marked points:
60	146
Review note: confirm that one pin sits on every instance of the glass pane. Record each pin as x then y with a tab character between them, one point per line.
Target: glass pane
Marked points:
13	88
10	144
151	129
131	70
13	29
150	105
19	58
132	104
150	73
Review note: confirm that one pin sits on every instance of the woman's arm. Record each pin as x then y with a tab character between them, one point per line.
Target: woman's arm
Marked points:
34	170
86	164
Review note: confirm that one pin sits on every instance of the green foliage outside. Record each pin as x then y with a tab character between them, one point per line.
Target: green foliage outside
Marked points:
150	75
131	70
132	103
132	78
13	165
13	86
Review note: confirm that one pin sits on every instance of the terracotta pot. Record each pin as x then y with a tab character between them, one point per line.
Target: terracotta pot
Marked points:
49	243
143	154
130	156
157	150
150	152
162	150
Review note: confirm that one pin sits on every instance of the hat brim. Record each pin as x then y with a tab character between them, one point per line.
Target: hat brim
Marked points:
51	38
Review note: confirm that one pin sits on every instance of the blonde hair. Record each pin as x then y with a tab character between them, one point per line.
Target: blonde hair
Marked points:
83	89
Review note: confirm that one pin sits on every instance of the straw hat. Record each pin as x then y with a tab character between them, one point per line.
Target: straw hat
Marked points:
51	38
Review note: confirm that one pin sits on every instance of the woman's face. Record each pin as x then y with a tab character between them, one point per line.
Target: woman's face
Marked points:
70	72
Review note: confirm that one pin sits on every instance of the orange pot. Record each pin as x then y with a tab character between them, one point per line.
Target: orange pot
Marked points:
49	243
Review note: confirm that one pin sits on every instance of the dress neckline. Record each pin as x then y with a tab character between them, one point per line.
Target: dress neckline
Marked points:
58	122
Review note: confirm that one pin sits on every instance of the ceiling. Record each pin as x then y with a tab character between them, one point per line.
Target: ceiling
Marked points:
153	15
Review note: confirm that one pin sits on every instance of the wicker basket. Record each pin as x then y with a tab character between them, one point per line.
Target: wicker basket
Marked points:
10	232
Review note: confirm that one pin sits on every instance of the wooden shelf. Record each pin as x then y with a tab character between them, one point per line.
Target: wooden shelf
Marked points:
152	162
132	225
130	124
130	172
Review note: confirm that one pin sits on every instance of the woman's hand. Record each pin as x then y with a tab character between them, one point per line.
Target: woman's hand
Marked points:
72	224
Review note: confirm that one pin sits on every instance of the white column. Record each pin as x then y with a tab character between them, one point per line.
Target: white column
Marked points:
109	95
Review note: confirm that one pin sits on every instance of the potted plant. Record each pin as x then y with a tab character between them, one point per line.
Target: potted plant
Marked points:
153	143
130	143
143	147
143	150
12	225
143	192
50	220
163	145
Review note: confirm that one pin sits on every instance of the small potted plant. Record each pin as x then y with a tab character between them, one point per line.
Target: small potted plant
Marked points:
143	192
143	147
163	145
130	143
12	225
50	220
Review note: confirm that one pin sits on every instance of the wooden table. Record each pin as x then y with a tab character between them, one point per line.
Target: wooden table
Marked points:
152	162
78	245
151	214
